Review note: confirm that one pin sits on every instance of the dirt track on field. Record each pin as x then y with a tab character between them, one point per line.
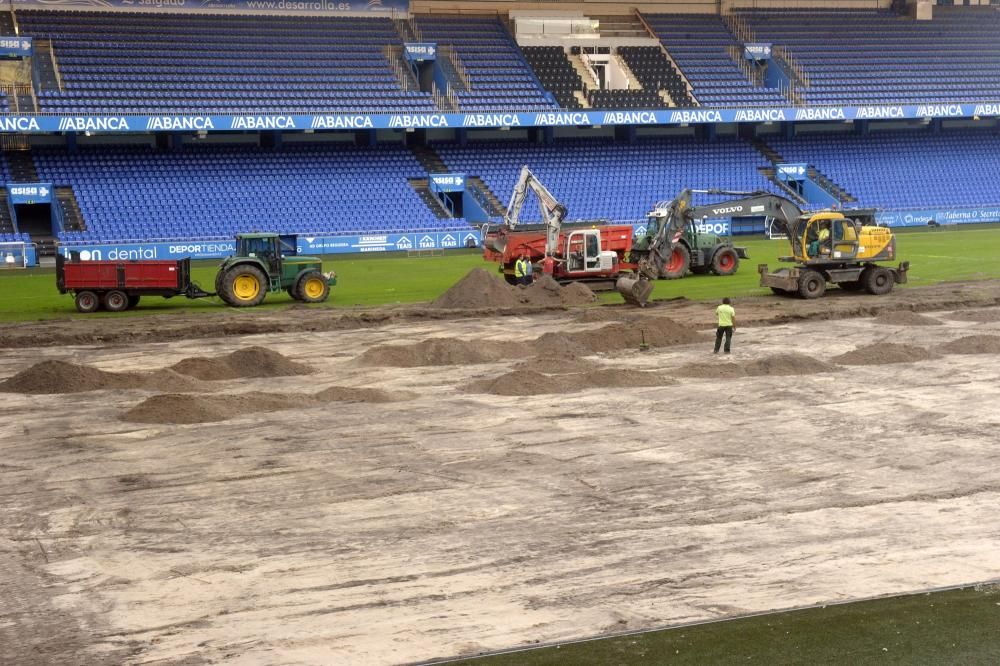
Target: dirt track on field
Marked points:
228	322
309	500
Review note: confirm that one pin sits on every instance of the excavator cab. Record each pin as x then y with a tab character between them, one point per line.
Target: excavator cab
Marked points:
826	237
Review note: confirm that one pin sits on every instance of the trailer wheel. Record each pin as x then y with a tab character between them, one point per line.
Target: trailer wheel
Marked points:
87	302
115	301
725	261
133	300
811	285
676	265
878	280
243	286
312	288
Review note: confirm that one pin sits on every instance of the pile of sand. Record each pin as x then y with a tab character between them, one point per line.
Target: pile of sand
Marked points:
881	354
347	394
787	364
530	382
546	291
973	344
433	351
249	362
48	377
777	365
721	370
984	316
555	365
906	318
654	331
478	289
482	289
176	408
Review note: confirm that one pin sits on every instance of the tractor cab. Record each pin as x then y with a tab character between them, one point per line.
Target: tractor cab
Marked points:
270	249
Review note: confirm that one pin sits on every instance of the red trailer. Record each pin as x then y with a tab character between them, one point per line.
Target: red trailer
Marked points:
118	285
586	252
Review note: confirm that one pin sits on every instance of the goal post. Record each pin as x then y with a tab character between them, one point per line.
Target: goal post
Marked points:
13	254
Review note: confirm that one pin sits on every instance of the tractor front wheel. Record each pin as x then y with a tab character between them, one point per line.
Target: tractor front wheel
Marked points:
243	286
676	265
725	261
312	288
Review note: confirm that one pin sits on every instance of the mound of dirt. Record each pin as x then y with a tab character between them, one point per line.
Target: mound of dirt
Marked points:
172	408
433	351
985	316
347	394
244	363
787	364
711	370
881	354
906	318
973	344
654	331
530	382
555	365
478	289
577	293
50	377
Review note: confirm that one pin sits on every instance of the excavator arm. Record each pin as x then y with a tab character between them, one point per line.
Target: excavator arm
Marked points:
674	216
553	212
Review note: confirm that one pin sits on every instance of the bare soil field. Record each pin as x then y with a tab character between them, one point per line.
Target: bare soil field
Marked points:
391	486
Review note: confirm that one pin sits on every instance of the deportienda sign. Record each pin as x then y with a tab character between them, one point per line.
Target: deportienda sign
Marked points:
359	121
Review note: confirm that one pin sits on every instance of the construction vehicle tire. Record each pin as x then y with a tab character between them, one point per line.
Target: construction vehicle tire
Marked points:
87	302
811	284
312	288
725	261
243	286
133	300
878	280
116	301
676	265
851	285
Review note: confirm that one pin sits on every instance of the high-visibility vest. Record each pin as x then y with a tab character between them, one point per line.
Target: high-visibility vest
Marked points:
520	270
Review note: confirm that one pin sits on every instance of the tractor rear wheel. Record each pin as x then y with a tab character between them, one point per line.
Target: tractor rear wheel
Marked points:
725	261
676	265
243	286
811	284
87	302
115	301
312	288
878	280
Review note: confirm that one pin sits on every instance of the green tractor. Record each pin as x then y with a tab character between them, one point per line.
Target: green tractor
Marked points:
269	262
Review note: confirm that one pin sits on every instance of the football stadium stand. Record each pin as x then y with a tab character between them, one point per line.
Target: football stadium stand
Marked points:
701	45
497	76
215	191
615	181
170	63
898	170
879	57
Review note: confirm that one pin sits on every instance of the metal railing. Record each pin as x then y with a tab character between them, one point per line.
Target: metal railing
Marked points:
449	54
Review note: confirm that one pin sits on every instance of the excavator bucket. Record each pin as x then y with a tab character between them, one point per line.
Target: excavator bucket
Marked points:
635	290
